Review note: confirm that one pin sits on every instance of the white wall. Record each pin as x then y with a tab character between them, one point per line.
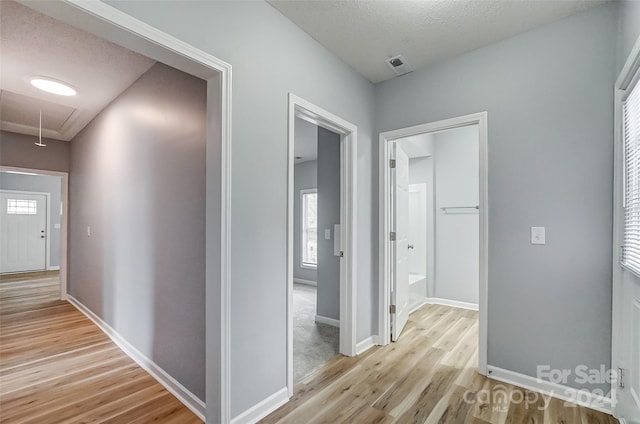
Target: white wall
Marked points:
549	97
272	57
457	236
305	177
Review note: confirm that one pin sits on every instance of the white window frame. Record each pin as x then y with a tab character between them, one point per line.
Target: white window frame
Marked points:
627	259
303	264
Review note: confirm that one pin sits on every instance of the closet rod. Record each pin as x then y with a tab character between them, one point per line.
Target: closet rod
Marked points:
445	208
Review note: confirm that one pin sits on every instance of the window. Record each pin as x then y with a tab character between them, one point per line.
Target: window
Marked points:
631	134
309	212
22	207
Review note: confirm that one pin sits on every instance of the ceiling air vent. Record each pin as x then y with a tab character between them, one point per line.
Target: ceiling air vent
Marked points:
399	65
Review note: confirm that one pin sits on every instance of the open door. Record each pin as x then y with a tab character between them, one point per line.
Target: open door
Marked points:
400	249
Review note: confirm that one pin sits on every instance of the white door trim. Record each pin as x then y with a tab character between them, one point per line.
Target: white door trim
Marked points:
64	224
386	138
120	28
348	192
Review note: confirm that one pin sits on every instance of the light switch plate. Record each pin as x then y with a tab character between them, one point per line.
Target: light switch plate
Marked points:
538	235
327	234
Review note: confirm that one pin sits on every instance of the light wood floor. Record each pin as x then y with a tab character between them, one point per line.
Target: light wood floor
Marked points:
423	378
56	366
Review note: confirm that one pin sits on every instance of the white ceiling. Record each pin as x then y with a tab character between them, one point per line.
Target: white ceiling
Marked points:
364	33
37	45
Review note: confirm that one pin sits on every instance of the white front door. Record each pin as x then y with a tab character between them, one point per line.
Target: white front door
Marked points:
23	226
627	319
400	283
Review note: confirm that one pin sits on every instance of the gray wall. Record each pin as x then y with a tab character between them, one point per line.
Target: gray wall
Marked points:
305	177
549	97
272	57
328	299
457	238
18	150
42	184
629	29
138	180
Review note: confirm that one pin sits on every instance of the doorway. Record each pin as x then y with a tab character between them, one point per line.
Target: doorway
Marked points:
457	203
119	28
335	235
316	271
49	205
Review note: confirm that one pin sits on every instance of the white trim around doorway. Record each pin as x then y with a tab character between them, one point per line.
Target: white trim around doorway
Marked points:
348	132
480	119
64	220
115	26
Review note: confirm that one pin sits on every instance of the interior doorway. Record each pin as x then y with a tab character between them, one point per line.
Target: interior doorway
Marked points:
124	30
316	269
335	229
41	215
433	233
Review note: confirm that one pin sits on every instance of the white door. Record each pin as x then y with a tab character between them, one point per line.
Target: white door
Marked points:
627	319
23	225
400	283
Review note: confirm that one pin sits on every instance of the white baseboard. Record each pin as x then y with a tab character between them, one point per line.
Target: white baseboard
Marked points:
418	305
366	344
263	408
569	394
305	282
53	268
328	321
454	303
190	400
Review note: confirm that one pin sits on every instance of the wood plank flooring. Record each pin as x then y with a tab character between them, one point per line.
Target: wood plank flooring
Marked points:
56	366
428	376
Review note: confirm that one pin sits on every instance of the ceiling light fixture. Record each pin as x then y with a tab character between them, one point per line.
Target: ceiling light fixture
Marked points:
53	86
39	142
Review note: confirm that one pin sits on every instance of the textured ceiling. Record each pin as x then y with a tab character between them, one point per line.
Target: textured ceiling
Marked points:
364	33
37	45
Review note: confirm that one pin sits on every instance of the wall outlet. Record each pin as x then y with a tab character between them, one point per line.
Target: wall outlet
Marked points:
538	235
88	231
327	234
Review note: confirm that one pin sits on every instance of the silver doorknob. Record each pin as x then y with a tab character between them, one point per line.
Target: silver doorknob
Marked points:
410	246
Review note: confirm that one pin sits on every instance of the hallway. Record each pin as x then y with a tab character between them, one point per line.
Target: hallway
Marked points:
56	366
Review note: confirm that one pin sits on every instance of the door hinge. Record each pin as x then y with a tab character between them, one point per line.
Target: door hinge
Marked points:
392	163
392	236
392	309
341	254
621	378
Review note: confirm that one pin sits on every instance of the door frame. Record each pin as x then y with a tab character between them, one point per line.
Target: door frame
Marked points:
115	26
64	196
629	74
348	132
385	248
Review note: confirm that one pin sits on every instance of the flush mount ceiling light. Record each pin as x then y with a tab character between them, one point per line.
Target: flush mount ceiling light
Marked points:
52	86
